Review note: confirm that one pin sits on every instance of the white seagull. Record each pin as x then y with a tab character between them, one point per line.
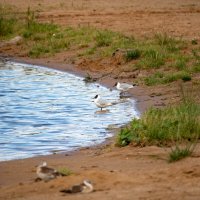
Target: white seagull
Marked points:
85	187
100	102
46	173
123	87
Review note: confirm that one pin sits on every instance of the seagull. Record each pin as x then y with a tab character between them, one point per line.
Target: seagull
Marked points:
46	173
100	102
85	187
123	87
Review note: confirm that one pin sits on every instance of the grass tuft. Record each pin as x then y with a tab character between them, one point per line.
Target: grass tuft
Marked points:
37	50
163	78
186	77
152	58
170	43
179	153
65	171
132	55
6	26
154	79
103	38
181	62
163	126
194	42
124	137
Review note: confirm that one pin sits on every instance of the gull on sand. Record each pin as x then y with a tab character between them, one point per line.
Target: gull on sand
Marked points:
123	87
46	173
85	187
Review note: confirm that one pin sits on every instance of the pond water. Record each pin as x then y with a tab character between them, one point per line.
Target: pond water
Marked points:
44	111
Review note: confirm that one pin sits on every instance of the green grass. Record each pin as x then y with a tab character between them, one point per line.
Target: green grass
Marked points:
38	50
185	76
6	26
152	58
169	43
180	59
132	54
154	79
181	62
196	67
104	38
194	42
164	126
7	22
178	153
164	78
65	171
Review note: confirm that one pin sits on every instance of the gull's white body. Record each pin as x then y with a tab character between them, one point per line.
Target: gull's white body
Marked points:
87	186
101	103
46	173
123	87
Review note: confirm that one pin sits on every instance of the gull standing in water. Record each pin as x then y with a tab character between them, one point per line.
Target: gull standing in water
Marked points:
101	103
123	87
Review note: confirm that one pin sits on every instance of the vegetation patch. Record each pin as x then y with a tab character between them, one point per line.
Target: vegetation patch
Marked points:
168	42
174	57
163	126
163	78
152	59
103	38
132	55
65	171
6	26
178	152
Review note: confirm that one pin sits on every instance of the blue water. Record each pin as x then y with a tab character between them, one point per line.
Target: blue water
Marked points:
44	110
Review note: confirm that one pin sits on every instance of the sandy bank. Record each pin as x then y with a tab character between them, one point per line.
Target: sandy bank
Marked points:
120	173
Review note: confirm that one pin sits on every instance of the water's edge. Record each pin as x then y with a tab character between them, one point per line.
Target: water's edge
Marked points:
75	72
108	82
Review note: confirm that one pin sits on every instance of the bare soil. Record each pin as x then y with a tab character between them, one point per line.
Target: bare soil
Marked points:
119	173
141	18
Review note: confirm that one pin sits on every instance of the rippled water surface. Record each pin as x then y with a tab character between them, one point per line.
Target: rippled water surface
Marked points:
44	111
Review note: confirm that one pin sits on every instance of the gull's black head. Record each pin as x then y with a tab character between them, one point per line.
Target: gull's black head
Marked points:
115	84
96	96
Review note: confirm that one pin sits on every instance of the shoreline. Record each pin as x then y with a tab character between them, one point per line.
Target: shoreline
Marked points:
119	173
138	93
72	69
142	172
